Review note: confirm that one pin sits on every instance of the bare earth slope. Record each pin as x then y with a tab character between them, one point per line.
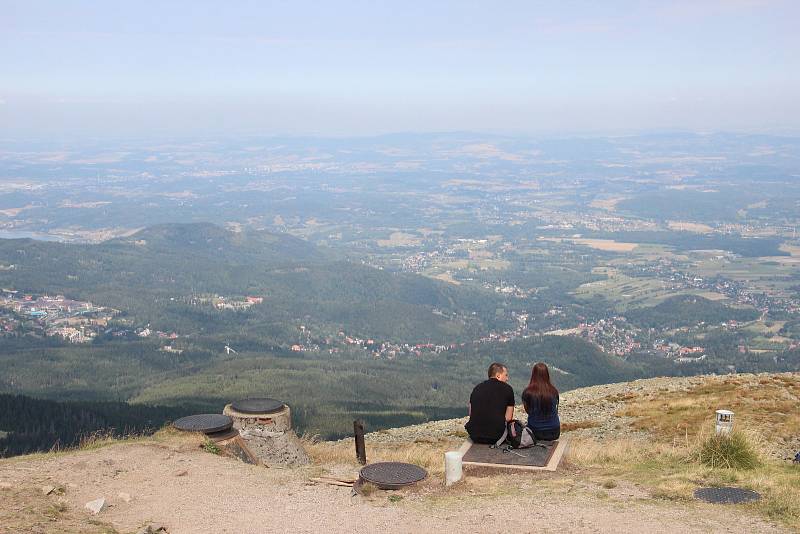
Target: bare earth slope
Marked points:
170	480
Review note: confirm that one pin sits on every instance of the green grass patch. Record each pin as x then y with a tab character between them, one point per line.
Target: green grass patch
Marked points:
733	451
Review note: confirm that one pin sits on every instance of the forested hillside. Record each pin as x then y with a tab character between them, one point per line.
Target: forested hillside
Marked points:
152	276
203	316
688	310
39	425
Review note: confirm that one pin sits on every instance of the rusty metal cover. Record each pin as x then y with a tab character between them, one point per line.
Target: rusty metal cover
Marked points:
726	495
207	423
392	475
257	405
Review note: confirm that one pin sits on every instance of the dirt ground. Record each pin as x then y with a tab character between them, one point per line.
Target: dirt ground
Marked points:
188	490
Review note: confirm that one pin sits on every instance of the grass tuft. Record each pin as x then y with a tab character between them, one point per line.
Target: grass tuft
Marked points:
210	446
733	451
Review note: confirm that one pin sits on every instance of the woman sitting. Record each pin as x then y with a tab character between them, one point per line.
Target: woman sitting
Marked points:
540	400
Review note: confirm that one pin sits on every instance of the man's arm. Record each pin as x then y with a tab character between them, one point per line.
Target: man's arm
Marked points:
510	405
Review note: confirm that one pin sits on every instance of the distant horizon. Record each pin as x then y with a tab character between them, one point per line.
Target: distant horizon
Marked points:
243	136
355	69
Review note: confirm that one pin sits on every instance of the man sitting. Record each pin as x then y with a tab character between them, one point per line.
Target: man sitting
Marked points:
491	405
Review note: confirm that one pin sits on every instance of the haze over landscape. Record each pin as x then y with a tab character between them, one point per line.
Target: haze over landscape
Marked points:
356	207
344	68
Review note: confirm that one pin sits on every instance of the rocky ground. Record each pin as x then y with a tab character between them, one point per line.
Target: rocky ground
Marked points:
596	405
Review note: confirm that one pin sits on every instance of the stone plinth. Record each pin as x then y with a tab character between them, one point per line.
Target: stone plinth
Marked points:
269	436
279	421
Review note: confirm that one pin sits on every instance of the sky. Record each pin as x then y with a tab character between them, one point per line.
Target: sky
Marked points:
362	68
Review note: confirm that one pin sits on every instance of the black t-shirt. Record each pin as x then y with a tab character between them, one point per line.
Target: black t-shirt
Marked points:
488	404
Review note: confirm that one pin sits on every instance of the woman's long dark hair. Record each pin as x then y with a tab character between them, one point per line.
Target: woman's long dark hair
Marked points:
540	390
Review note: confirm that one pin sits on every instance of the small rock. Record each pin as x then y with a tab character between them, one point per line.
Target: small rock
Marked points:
6	485
124	496
95	506
181	473
152	528
47	490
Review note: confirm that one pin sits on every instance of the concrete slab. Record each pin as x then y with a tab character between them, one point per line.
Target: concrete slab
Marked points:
551	465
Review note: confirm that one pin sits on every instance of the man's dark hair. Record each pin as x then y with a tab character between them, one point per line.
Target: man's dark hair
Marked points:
496	368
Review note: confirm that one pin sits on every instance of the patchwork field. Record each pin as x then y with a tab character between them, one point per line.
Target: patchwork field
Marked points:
624	291
684	226
609	245
400	239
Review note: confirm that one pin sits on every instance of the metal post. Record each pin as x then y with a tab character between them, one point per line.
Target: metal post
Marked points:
361	451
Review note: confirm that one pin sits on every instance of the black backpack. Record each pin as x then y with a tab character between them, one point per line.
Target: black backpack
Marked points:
516	436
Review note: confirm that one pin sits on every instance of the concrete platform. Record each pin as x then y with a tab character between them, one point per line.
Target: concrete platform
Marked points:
538	459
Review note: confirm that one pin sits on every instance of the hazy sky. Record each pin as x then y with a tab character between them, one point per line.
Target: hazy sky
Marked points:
367	67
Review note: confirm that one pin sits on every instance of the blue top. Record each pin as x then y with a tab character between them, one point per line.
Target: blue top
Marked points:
541	417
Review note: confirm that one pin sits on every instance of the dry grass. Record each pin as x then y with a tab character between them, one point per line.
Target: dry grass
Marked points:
674	471
578	425
26	509
428	455
685	226
588	452
765	404
608	245
399	239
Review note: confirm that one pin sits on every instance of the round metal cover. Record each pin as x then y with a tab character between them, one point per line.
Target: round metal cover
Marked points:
208	423
726	495
222	435
392	475
260	405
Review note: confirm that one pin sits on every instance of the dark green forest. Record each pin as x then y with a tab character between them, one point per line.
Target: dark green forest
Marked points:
687	310
39	425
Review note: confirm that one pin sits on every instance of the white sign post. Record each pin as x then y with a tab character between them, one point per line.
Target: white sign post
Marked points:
724	422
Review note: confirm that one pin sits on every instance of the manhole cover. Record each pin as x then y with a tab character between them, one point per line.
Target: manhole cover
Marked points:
392	475
207	423
726	495
262	405
222	435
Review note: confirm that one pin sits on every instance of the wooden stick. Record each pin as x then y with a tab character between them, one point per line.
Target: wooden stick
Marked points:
344	480
331	482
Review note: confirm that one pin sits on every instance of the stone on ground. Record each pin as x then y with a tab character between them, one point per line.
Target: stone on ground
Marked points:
275	447
96	506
